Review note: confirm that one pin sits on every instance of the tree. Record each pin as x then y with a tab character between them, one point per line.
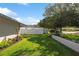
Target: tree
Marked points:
61	15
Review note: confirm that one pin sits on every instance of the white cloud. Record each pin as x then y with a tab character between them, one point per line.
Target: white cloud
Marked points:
8	12
27	20
18	19
23	4
31	20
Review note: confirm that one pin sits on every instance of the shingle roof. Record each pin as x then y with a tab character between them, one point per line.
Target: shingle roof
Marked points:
14	20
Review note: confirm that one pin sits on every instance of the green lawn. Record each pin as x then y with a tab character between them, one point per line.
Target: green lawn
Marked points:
72	37
37	45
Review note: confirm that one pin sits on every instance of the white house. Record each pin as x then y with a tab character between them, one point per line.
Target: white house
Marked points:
9	28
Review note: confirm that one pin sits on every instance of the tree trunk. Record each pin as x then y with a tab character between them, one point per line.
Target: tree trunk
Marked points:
60	31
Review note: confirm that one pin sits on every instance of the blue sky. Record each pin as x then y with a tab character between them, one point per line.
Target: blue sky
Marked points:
23	12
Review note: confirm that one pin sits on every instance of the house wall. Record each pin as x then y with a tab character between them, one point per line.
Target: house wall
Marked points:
8	27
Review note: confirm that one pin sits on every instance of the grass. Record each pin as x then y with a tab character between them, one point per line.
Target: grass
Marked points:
72	37
37	45
6	43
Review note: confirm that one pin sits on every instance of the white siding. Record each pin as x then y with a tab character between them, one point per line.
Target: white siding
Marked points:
7	29
31	31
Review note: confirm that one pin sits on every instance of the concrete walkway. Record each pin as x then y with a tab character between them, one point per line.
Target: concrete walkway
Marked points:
7	37
70	44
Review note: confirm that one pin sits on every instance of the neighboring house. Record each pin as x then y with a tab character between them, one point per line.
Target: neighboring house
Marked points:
32	29
9	27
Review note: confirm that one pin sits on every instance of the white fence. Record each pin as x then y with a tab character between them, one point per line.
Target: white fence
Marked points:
70	44
31	31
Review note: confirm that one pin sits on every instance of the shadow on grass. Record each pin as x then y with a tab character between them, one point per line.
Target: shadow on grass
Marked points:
39	45
48	46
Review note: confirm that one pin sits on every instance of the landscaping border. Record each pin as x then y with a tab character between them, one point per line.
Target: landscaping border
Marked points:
72	45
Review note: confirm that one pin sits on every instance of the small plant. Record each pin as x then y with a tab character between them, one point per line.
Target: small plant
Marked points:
4	43
8	42
72	37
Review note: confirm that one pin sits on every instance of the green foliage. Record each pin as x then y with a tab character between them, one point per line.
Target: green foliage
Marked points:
60	15
37	45
72	37
4	44
8	42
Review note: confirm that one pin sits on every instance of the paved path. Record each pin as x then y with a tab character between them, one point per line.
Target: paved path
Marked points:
70	44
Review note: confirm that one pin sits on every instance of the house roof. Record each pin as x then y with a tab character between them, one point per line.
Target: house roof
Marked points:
14	20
